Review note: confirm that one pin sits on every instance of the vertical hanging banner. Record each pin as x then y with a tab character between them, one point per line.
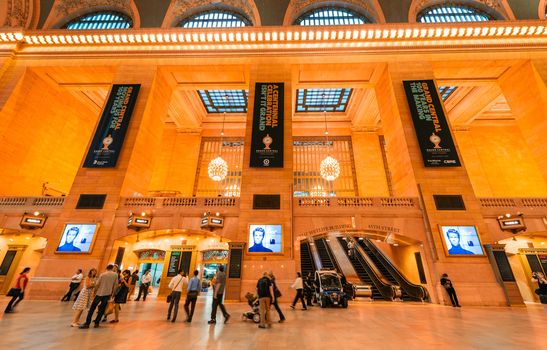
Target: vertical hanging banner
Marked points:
108	140
430	124
267	138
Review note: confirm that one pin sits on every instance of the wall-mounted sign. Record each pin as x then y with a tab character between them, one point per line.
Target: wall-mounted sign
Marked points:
139	221
108	140
31	221
210	221
514	224
174	262
434	138
267	139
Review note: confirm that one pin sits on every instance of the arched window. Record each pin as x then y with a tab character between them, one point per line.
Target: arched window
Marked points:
331	16
450	13
215	19
101	20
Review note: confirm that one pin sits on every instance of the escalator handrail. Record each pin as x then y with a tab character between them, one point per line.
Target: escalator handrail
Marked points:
413	290
387	290
329	253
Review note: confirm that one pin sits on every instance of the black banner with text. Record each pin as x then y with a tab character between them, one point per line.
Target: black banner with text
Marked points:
267	140
430	124
108	140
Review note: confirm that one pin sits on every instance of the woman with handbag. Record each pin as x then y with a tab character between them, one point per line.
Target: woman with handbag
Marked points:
176	284
120	295
84	298
277	295
18	291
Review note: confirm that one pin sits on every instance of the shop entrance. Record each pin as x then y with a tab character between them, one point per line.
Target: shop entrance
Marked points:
155	270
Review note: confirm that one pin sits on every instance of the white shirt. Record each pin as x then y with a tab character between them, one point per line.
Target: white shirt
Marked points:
146	278
177	283
77	278
297	283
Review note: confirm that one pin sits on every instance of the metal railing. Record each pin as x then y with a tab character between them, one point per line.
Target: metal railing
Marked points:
46	201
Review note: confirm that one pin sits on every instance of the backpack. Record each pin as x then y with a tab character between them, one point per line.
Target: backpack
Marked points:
263	287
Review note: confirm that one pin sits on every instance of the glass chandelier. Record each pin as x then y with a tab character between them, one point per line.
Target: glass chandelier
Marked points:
218	168
329	168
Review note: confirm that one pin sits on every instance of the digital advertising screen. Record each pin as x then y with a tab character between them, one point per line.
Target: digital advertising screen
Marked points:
77	238
462	240
265	239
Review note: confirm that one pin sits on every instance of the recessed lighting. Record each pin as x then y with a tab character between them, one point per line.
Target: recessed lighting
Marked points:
395	244
542	243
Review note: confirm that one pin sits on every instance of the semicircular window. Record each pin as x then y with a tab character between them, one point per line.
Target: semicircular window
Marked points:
215	19
452	14
101	20
331	16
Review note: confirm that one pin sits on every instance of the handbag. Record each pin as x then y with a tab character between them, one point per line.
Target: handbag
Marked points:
14	292
277	293
109	308
170	296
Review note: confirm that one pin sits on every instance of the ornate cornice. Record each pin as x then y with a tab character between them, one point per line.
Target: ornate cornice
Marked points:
18	13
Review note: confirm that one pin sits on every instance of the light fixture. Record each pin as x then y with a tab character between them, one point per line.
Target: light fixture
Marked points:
218	168
329	168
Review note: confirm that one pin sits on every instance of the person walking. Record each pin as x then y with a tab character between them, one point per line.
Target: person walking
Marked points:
298	285
121	293
17	293
75	282
447	284
176	285
192	296
265	293
84	298
134	279
104	290
277	295
146	279
218	294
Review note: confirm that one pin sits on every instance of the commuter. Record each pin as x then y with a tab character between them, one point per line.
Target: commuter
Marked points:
176	285
121	293
17	293
265	293
146	279
218	294
447	284
75	282
298	285
277	295
134	279
308	289
104	290
541	291
351	247
84	298
192	296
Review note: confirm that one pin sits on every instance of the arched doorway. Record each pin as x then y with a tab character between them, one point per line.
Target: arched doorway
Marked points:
165	251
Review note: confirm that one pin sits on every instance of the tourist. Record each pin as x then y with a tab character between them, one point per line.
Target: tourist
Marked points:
277	295
265	293
104	290
84	298
176	285
146	279
299	286
218	294
447	284
17	293
134	279
192	296
120	296
541	291
351	247
75	282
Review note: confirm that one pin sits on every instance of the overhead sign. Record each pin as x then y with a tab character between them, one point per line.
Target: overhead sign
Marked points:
511	224
267	139
108	140
434	138
137	222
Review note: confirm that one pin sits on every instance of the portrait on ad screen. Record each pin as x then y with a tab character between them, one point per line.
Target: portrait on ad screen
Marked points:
462	240
77	238
265	239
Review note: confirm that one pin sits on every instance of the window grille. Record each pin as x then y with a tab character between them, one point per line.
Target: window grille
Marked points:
100	20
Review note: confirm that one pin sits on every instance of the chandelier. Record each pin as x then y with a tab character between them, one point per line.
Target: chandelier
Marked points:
329	168
218	168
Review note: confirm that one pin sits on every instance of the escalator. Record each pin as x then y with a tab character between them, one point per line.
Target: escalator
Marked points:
409	291
327	259
380	289
306	260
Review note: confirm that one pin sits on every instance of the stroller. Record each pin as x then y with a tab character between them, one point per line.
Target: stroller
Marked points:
254	315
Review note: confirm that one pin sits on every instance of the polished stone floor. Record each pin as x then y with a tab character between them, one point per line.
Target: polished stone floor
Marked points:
364	325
